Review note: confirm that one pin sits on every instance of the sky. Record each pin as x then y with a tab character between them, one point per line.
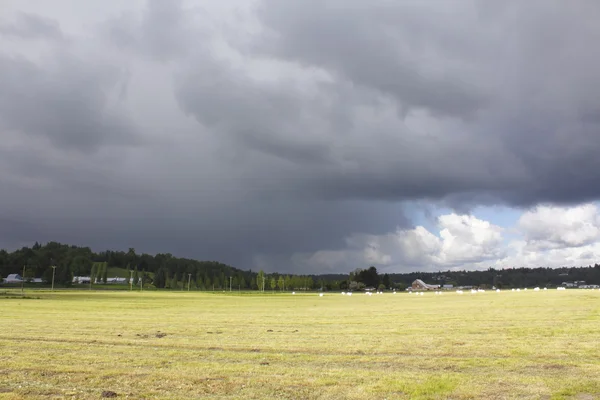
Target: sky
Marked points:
304	136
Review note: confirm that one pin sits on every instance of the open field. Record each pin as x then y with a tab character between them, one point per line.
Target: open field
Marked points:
186	345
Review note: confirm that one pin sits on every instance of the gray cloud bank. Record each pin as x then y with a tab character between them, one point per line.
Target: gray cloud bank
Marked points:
247	132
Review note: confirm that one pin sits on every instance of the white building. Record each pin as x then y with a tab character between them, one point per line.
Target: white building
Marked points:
13	278
81	279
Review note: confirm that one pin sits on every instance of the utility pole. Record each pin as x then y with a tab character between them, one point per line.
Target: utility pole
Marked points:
53	270
189	280
230	283
23	281
130	280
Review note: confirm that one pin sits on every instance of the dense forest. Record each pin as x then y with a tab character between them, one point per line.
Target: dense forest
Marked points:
169	272
159	271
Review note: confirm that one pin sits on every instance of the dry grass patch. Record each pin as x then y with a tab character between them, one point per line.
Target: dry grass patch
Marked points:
160	345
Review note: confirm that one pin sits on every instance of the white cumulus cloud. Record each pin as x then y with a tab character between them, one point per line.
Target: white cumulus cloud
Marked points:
462	239
551	227
546	236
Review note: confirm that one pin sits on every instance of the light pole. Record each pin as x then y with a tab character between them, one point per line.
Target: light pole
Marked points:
23	281
130	280
230	283
53	270
189	280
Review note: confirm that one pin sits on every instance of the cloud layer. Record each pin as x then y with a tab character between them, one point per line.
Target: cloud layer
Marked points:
295	135
545	236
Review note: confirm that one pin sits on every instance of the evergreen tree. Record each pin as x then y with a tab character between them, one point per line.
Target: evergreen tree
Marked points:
64	276
309	283
386	281
173	284
160	278
260	280
93	273
104	273
128	277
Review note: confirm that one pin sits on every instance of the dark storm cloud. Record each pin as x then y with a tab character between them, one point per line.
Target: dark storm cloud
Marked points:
519	76
64	100
163	31
244	140
31	26
379	45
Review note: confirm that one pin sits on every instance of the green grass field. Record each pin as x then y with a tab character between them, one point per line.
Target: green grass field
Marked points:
189	345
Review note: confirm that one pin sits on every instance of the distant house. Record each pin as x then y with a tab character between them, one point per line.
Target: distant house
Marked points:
420	285
13	278
116	279
81	279
588	286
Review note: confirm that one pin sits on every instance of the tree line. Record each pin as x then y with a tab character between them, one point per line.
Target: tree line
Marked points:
162	271
165	271
499	278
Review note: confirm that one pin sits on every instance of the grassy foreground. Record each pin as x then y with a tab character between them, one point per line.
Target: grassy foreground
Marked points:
186	345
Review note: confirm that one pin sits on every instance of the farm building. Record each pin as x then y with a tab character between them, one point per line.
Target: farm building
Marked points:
81	279
420	285
13	278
